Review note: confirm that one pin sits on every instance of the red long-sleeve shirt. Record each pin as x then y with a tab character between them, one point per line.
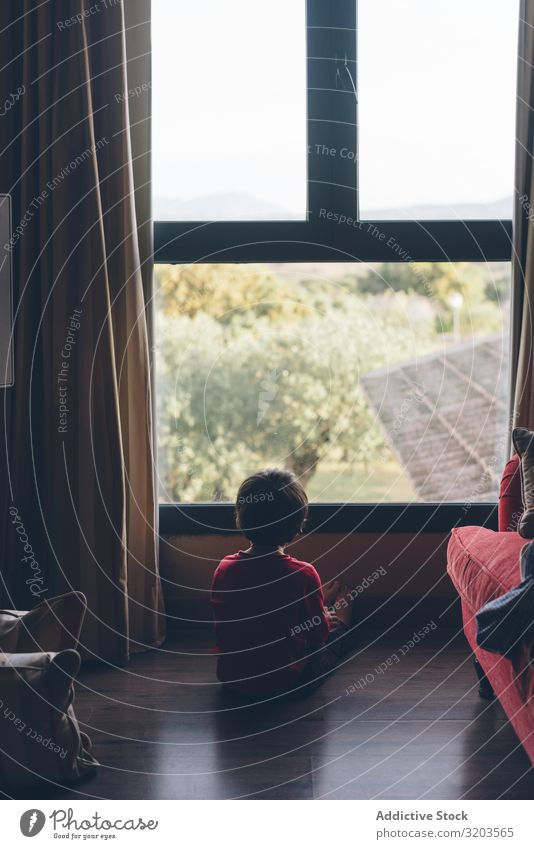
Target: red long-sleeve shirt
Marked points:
269	615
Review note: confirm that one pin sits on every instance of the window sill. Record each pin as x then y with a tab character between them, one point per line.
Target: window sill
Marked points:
210	519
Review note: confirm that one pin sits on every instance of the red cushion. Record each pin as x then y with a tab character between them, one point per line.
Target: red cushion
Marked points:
510	497
483	564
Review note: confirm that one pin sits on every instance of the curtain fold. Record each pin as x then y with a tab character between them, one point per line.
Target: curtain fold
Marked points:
522	366
77	456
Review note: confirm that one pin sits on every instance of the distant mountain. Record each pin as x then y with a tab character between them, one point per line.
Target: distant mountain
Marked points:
227	206
462	211
219	207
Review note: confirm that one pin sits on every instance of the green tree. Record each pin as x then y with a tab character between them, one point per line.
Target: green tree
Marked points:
234	399
230	293
439	281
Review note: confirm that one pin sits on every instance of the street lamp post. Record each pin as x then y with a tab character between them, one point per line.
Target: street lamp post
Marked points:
456	300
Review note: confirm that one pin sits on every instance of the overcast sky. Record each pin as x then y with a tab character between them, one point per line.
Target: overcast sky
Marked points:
436	86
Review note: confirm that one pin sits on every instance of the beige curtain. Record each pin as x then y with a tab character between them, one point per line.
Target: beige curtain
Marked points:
78	425
522	366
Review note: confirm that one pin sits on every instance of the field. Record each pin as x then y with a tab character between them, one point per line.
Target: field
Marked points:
337	482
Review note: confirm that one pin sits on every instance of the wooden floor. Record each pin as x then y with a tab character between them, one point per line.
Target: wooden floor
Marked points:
162	728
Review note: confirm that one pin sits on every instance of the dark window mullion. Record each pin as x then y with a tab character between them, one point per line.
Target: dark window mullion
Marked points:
332	168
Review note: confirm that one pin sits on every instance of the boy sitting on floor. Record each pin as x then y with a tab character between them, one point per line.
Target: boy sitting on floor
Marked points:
274	634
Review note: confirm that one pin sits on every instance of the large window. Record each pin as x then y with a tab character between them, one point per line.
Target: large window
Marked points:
381	383
332	193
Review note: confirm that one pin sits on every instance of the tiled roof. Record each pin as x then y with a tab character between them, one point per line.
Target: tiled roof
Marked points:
445	417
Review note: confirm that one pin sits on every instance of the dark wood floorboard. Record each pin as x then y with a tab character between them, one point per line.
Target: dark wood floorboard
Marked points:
162	728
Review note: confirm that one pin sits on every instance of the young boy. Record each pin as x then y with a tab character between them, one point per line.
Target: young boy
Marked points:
274	634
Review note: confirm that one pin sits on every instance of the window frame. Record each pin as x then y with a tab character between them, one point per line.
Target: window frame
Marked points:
332	185
217	518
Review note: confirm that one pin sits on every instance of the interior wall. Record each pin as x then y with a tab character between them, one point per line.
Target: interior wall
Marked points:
411	585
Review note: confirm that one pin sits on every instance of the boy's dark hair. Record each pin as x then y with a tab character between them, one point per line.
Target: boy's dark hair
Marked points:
271	507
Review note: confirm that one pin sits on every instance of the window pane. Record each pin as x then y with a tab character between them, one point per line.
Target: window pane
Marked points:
229	109
382	382
436	86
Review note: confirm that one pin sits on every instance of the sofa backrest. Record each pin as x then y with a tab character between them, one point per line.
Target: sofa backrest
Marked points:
510	499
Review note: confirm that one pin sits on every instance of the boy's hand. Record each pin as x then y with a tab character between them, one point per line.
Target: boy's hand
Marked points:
331	616
331	591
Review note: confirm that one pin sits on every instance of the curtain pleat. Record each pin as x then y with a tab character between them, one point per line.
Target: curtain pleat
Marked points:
522	366
78	426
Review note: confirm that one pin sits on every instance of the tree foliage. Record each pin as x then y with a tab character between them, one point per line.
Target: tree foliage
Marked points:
256	369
